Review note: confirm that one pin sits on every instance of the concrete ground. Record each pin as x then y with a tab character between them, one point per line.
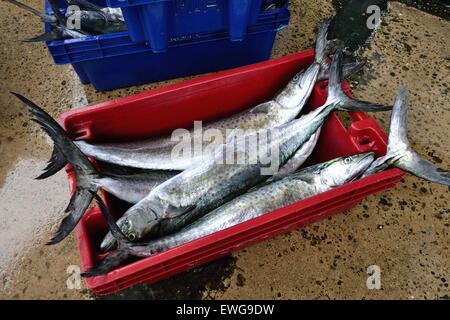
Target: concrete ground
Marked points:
405	231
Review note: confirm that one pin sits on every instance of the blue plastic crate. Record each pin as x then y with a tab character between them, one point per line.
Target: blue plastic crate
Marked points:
157	21
113	61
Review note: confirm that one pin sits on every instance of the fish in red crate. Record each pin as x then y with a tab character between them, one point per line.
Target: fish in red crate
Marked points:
202	188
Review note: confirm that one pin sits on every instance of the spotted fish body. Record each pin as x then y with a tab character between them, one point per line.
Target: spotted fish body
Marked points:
268	198
248	206
204	187
157	153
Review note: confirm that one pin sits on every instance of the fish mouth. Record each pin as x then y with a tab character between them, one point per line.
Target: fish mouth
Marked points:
364	163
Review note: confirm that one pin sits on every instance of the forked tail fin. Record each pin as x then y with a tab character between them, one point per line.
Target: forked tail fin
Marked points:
85	172
337	96
399	152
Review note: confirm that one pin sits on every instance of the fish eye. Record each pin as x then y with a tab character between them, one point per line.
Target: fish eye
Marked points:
296	77
131	236
348	160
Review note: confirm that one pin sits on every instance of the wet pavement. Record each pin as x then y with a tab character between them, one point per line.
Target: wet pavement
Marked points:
405	230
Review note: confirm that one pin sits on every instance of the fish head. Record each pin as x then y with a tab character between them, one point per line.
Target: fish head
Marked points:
141	222
298	90
305	79
342	170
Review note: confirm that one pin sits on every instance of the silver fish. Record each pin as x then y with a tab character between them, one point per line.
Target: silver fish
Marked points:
157	153
130	187
208	185
399	152
295	187
109	14
92	22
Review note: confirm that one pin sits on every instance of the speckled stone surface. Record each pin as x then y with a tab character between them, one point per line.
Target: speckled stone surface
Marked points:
405	231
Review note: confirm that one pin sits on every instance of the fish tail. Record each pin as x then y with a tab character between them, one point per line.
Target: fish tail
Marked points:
86	174
350	69
337	96
321	52
399	151
114	258
112	225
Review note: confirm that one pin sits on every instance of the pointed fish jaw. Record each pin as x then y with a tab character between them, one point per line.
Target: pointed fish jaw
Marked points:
297	92
109	243
363	164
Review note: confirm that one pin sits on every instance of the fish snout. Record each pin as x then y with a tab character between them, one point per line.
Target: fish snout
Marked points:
109	242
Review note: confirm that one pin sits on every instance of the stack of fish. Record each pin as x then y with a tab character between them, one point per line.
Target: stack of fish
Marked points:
93	20
176	200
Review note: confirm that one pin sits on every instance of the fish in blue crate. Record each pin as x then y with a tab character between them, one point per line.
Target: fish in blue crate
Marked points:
82	18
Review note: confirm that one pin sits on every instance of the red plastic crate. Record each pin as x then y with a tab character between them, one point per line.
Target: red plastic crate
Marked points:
205	98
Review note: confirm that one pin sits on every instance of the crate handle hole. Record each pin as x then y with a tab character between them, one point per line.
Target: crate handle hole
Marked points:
365	141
